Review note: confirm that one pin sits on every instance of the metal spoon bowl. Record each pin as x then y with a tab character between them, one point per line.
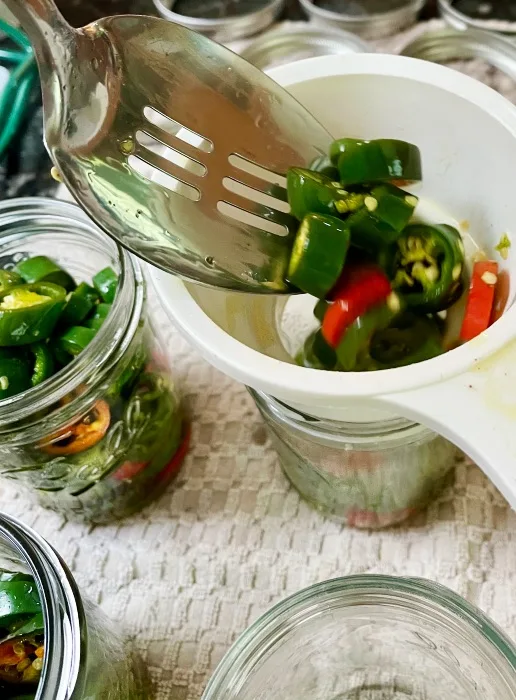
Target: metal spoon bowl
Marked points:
131	98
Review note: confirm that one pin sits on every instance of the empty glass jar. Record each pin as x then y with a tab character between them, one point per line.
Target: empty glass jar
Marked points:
369	638
369	475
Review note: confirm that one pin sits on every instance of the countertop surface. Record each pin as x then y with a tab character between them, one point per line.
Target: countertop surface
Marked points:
231	537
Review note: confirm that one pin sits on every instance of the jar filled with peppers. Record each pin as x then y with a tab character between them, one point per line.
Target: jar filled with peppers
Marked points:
90	419
388	284
55	645
368	475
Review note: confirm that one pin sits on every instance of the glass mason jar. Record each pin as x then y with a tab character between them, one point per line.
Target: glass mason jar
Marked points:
81	12
369	638
85	657
121	382
369	475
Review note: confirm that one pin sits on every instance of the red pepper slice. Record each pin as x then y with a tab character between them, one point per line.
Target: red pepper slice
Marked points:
369	520
8	657
129	470
480	299
359	289
176	461
501	296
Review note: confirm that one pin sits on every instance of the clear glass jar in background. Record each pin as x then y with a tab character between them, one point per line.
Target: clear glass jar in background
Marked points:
369	475
85	658
82	12
369	638
122	379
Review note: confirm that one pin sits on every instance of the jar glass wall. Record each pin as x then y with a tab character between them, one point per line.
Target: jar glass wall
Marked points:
119	391
81	12
369	638
85	657
369	475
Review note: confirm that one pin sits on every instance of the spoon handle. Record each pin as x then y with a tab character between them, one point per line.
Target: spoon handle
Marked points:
48	31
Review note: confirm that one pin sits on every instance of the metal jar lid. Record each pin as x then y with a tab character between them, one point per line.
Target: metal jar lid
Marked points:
444	45
289	44
375	24
262	14
459	20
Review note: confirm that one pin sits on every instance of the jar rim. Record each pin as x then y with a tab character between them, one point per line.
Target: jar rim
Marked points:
349	591
112	332
392	430
61	605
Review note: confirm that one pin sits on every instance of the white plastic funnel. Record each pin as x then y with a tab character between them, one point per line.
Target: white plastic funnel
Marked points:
467	135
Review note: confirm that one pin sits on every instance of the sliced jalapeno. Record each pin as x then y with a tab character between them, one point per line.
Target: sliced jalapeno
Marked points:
98	316
18	599
42	269
79	304
75	339
408	340
310	192
29	312
15	372
354	346
323	165
371	235
320	309
391	205
318	254
81	435
428	266
383	160
106	283
316	353
8	279
43	363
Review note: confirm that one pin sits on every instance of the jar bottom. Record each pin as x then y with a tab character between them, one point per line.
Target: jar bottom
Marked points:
134	486
371	496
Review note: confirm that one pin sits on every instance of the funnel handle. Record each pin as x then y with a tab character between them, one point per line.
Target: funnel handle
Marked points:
477	412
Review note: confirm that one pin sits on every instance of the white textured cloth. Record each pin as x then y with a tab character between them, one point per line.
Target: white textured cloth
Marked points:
231	537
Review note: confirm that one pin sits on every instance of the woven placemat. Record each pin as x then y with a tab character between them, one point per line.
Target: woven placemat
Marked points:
231	537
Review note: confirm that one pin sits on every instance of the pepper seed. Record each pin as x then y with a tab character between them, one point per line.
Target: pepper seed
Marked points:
19	649
370	203
393	302
25	663
55	174
432	274
489	278
456	272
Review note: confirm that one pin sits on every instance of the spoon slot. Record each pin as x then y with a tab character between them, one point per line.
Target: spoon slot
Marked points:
152	171
258	171
160	148
244	216
174	128
255	195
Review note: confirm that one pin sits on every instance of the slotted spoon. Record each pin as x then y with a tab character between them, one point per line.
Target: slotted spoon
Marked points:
131	98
